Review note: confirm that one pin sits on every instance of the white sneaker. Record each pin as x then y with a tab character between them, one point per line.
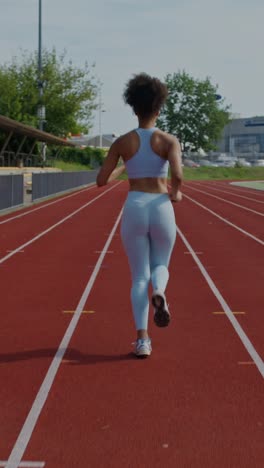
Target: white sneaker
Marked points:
161	310
143	347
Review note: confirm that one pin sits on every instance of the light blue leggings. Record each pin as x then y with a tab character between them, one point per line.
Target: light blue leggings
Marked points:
148	232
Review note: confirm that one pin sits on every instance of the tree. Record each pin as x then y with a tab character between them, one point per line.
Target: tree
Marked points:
192	112
69	92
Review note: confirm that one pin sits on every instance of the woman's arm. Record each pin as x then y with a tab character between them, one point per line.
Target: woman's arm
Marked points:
109	171
175	160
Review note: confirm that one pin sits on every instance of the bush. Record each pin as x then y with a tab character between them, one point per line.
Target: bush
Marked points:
86	156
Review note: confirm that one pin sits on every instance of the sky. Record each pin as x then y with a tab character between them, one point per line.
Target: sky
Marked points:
222	40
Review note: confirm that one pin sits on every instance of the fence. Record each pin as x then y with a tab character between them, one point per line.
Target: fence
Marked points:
47	184
11	191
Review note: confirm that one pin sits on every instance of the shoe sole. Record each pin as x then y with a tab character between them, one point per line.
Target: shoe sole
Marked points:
161	315
142	356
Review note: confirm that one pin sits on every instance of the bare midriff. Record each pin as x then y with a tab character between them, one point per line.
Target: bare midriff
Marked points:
149	184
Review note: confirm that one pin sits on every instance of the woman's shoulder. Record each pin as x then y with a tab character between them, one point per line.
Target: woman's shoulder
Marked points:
164	138
127	135
127	143
167	136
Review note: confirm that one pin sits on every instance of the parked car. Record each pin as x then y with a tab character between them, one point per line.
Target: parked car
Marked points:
226	163
206	162
243	163
190	163
258	163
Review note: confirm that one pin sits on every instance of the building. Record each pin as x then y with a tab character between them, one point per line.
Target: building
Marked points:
243	137
97	141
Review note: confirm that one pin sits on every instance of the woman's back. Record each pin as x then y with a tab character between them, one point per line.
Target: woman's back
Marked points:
130	142
145	154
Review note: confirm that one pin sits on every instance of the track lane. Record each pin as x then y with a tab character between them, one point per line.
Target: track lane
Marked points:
227	185
245	220
247	202
39	205
40	286
178	408
40	222
235	262
210	401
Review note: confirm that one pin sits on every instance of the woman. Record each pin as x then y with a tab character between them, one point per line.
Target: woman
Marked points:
148	228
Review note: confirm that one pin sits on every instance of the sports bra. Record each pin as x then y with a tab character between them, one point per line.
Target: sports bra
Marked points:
145	162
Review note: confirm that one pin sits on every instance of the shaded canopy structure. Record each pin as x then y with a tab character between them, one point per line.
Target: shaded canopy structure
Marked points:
11	128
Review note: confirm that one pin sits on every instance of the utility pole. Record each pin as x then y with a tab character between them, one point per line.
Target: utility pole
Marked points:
41	107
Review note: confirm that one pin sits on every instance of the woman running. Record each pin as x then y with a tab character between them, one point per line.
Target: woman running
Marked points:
148	227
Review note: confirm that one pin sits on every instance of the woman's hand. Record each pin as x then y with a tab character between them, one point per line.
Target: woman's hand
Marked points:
109	170
176	197
117	172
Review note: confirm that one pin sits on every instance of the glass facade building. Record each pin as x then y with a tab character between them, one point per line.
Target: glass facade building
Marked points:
243	136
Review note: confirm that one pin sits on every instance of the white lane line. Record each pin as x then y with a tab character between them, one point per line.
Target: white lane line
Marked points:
44	206
3	259
25	464
227	201
247	190
239	330
225	220
197	253
19	251
31	420
229	192
109	251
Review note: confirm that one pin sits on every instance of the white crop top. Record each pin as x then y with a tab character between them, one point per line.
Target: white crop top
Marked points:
145	162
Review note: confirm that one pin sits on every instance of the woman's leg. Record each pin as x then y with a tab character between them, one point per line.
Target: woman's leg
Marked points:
162	240
134	233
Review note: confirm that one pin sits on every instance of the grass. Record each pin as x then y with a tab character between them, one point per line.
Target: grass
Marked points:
190	173
69	167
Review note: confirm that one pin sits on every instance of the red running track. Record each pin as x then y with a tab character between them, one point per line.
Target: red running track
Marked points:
197	402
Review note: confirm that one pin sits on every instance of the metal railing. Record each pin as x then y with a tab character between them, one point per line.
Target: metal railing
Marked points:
44	185
11	191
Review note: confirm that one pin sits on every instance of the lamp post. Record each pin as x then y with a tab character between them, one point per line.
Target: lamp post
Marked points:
231	140
41	106
100	128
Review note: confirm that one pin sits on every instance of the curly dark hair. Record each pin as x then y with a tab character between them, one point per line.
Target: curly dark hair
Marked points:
145	94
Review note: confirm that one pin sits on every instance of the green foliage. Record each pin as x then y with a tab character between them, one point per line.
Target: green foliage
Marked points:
67	166
69	92
192	112
88	156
